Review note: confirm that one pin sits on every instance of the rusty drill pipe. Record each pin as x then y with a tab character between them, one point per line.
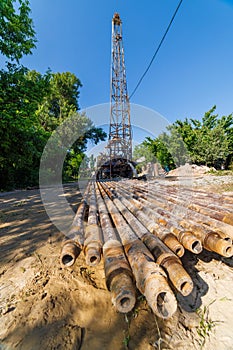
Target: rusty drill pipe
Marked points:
224	217
118	274
93	241
209	238
72	247
69	253
171	263
150	278
220	243
224	230
165	235
220	198
205	199
201	206
162	254
186	238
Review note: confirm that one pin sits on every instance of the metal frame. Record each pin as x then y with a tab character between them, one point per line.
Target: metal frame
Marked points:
120	133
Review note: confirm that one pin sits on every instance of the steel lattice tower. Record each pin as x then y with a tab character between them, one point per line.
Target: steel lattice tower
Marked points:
120	134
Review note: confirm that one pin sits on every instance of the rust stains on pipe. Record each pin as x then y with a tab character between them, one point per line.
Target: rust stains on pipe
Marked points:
165	235
152	283
73	245
171	241
69	253
165	218
123	292
209	238
162	254
216	219
170	262
166	201
118	274
76	231
93	241
149	276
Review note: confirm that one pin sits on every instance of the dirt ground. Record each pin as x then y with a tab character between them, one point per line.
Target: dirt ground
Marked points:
46	307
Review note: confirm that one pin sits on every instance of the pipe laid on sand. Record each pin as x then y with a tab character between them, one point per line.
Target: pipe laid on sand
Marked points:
150	278
118	274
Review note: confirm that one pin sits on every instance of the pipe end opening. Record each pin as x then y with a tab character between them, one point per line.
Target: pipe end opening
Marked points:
67	260
92	260
125	304
196	247
186	288
228	251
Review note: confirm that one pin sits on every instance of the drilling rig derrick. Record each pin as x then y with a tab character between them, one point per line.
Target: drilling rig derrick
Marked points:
120	134
120	138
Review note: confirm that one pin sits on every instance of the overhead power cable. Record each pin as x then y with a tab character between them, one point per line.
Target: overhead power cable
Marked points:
157	50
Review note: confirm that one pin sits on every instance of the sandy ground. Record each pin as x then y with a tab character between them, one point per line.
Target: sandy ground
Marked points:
46	307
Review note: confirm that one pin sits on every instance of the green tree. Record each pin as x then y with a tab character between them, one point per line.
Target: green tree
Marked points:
21	134
61	101
24	129
32	105
159	148
209	141
17	36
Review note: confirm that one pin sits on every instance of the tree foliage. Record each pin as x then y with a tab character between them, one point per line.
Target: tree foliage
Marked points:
32	105
22	136
61	101
208	141
17	36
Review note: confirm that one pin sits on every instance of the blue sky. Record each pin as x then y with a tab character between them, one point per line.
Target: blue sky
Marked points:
192	71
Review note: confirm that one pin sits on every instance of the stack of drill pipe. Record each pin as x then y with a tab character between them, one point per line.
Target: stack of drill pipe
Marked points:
118	274
186	238
150	278
73	245
162	254
162	232
210	239
93	240
199	205
213	240
223	200
222	231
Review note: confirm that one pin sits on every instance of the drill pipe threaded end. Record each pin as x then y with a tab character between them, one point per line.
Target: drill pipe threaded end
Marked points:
215	243
123	292
152	283
191	242
171	241
157	291
178	276
70	252
93	253
115	261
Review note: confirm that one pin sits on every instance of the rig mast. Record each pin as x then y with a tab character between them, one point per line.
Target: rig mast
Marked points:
120	133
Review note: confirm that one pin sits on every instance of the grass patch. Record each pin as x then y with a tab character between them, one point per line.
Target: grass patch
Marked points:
206	325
